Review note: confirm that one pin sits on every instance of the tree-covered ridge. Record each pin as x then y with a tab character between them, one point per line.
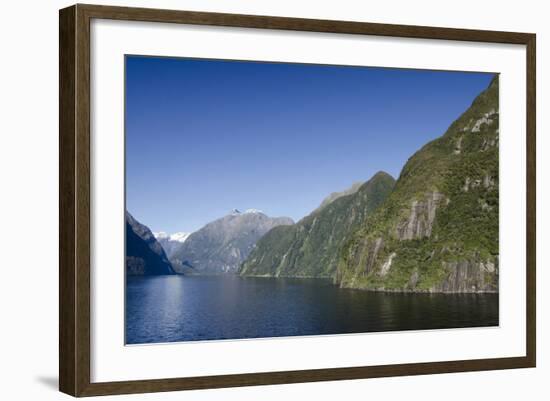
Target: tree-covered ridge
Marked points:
438	230
311	247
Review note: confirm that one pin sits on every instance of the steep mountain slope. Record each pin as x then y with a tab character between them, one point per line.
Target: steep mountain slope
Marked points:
171	242
335	195
222	245
311	247
438	230
144	255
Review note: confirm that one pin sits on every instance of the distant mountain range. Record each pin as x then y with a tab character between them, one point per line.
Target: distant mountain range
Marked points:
335	195
222	245
171	242
144	255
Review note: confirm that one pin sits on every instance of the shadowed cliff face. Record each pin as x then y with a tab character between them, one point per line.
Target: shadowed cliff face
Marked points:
222	245
311	247
144	255
438	230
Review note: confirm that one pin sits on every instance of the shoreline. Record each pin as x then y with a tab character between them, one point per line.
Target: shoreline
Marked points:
326	279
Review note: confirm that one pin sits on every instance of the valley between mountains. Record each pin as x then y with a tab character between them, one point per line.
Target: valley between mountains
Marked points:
434	229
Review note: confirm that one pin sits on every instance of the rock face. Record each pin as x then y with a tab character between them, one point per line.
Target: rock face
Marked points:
311	247
438	230
144	255
222	245
468	276
421	217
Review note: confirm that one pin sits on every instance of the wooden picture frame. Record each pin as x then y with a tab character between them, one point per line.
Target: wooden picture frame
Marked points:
74	200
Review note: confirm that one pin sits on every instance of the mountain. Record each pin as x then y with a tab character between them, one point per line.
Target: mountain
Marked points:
144	254
438	231
335	195
311	247
222	245
171	242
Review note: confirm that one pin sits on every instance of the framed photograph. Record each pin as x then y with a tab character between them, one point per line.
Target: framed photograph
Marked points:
250	200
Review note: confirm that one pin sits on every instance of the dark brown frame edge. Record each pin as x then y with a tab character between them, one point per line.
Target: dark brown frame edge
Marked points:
74	199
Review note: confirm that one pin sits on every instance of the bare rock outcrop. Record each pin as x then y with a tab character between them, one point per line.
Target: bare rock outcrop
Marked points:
372	255
421	217
469	277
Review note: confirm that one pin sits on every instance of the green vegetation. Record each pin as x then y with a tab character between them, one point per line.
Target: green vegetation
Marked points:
435	229
441	220
311	247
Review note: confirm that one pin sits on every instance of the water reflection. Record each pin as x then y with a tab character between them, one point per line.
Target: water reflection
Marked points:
176	308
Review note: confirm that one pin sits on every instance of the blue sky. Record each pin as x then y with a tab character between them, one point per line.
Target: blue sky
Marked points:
206	136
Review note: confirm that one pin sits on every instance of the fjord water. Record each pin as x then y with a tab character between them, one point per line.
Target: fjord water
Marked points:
184	308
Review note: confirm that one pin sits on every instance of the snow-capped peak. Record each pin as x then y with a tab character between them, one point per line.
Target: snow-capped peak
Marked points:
237	212
180	237
254	211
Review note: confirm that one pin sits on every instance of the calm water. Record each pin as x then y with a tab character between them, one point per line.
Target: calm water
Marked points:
176	308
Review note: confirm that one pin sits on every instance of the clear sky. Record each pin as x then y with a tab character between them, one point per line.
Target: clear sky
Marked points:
206	136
